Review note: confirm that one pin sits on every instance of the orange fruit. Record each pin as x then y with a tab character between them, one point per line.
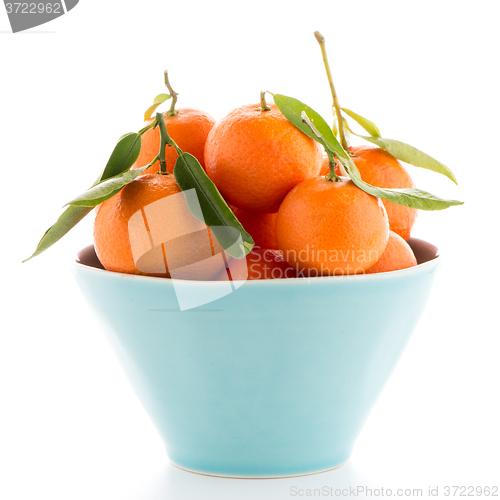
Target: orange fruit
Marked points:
261	264
189	128
397	255
256	157
261	227
147	228
379	168
331	227
264	264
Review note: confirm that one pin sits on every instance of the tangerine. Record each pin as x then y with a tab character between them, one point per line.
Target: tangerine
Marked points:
265	263
397	255
255	156
261	227
331	227
261	264
379	168
147	228
189	128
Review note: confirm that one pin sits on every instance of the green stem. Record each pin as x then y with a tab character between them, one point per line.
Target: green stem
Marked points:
263	103
332	176
164	140
147	127
321	40
153	161
172	111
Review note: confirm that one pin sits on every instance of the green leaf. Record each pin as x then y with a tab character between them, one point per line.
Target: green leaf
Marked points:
400	150
318	137
159	99
216	214
106	189
368	125
409	197
292	110
68	219
124	155
411	155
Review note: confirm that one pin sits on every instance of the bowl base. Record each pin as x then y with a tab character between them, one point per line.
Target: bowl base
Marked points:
281	476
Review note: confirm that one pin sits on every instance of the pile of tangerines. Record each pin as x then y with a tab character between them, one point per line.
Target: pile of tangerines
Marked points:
275	179
288	191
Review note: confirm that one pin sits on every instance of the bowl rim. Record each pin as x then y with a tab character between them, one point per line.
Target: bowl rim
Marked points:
435	261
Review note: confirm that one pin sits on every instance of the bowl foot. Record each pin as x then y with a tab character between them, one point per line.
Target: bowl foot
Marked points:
257	476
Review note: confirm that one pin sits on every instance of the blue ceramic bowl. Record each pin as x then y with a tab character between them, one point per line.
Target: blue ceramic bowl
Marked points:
275	379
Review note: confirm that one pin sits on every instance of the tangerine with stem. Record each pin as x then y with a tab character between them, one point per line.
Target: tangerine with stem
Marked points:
376	166
133	236
330	227
188	127
255	156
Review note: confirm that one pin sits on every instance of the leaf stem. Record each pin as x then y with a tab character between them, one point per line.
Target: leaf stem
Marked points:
332	176
172	111
164	140
321	40
263	103
147	127
168	139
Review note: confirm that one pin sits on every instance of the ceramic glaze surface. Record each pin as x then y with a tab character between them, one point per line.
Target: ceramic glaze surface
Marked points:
274	379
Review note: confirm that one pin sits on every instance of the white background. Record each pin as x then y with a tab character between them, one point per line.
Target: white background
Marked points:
426	72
